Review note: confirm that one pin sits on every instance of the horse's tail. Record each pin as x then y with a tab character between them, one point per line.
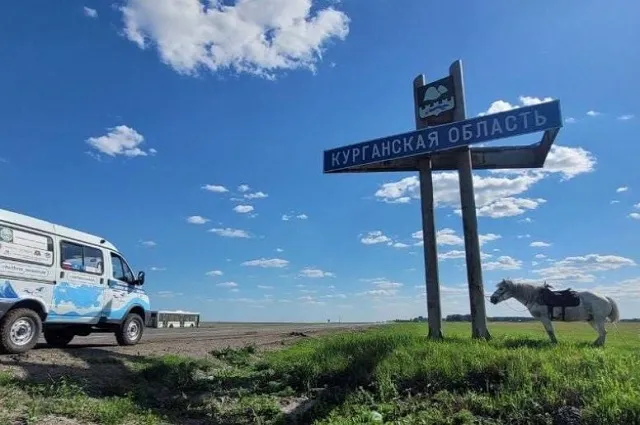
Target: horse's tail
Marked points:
614	316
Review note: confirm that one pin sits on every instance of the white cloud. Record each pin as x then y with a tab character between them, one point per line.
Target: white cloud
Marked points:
489	237
622	189
634	215
400	245
627	289
386	284
227	284
615	201
507	207
498	106
530	101
287	217
267	263
593	113
503	262
215	188
315	273
637	206
581	268
148	244
539	244
214	273
230	233
256	195
341	296
91	13
540	256
446	189
570	120
503	106
526	220
496	192
158	269
243	209
374	237
265	287
380	292
310	300
523	236
457	254
252	36
626	117
120	140
244	188
569	162
197	219
448	236
451	255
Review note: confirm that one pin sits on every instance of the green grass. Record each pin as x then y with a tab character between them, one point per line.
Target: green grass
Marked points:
390	372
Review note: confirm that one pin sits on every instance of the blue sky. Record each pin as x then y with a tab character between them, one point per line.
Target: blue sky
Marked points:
194	143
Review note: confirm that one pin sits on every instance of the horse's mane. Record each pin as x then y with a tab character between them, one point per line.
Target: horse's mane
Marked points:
525	291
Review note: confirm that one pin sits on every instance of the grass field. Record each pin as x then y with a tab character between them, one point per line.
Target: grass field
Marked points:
389	374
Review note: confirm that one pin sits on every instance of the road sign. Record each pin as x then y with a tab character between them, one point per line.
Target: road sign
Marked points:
436	101
516	122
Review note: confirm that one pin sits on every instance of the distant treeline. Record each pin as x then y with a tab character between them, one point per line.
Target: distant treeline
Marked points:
467	318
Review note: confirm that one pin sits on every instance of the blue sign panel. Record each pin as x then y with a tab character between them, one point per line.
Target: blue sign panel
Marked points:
528	119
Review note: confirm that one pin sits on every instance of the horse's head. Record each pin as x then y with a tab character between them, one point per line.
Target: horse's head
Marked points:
502	292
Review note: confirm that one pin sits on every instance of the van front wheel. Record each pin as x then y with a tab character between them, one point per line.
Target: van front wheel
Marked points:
130	332
19	331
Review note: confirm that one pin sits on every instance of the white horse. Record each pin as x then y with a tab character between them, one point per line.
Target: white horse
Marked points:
593	308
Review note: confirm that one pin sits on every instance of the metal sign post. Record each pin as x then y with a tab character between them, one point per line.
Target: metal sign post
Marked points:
469	220
443	140
432	278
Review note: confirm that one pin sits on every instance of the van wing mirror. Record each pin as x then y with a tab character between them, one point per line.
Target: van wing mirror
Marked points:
140	280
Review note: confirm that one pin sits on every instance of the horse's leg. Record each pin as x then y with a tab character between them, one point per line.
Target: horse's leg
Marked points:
602	332
546	322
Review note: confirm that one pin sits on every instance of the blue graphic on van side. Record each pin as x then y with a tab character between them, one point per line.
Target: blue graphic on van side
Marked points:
80	300
7	291
119	313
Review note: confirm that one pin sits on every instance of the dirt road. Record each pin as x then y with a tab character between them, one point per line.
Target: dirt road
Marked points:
245	332
97	356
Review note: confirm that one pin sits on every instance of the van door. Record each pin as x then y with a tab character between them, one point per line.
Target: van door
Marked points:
78	297
121	292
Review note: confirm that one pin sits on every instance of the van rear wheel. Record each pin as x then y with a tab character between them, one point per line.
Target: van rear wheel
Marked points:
19	331
130	332
58	338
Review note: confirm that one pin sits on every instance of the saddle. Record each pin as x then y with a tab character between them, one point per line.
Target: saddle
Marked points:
563	299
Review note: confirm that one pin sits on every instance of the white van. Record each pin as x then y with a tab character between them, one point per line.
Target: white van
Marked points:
63	282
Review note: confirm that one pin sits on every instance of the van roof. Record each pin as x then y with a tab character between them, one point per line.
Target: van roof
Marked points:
47	227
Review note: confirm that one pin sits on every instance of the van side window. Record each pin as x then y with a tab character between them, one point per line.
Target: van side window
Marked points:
26	247
81	258
120	269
